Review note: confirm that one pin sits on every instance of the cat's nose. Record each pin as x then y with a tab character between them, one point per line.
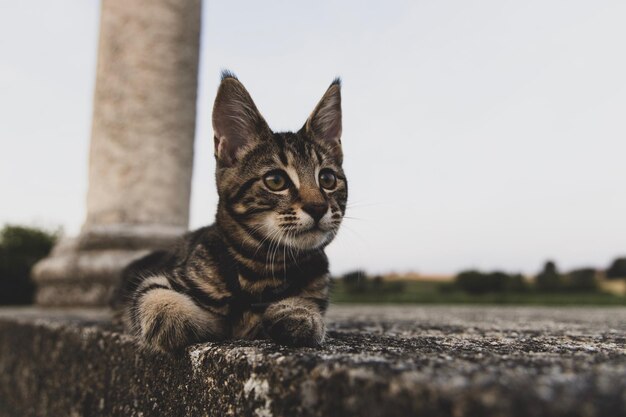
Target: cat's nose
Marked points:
316	210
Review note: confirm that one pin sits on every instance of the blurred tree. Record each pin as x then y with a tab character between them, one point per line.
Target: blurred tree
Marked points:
516	283
476	282
549	279
617	269
446	287
582	280
395	286
471	282
380	286
498	281
378	283
354	281
20	248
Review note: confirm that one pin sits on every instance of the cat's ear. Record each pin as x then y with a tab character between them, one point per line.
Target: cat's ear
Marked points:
237	123
324	124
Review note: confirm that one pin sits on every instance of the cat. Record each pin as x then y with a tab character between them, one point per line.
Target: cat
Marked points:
260	270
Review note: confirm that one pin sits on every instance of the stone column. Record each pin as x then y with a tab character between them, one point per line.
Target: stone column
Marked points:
141	155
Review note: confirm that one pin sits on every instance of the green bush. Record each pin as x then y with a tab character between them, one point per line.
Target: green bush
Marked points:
582	280
549	280
394	287
617	269
446	287
20	248
378	283
354	282
516	283
357	282
476	282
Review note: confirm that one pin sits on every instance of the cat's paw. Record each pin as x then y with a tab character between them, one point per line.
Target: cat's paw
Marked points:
290	324
170	321
168	334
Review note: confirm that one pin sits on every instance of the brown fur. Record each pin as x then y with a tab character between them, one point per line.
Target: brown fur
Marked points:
260	270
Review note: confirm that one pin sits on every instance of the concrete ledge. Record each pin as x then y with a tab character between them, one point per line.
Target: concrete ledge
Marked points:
432	361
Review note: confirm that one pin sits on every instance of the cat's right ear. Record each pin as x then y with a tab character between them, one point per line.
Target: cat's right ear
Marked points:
237	123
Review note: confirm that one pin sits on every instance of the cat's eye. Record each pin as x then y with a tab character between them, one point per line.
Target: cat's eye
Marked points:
328	179
276	181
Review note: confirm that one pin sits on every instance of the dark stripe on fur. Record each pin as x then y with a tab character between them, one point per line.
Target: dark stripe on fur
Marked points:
243	189
150	287
155	327
137	295
237	218
280	142
195	292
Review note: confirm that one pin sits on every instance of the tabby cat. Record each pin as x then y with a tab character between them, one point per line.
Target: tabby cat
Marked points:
260	270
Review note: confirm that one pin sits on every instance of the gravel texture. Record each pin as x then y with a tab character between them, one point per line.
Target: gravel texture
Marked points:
377	361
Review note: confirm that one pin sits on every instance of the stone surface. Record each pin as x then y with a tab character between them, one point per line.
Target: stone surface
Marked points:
377	361
144	115
83	271
141	154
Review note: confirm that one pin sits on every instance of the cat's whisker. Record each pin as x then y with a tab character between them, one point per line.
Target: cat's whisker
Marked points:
269	256
352	204
247	237
355	233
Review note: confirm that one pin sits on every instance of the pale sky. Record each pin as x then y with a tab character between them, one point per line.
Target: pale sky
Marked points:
487	134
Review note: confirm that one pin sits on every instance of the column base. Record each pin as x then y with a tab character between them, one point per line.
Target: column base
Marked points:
84	271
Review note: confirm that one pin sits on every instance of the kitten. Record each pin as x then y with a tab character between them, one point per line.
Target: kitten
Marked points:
260	271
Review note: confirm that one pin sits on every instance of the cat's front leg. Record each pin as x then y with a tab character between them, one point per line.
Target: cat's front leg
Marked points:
294	321
168	321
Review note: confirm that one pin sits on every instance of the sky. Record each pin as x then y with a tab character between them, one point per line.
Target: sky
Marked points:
488	134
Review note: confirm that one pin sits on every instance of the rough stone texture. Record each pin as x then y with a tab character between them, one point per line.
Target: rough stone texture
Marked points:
141	155
377	361
83	271
144	115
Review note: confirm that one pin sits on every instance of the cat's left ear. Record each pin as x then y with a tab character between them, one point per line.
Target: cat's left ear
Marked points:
324	124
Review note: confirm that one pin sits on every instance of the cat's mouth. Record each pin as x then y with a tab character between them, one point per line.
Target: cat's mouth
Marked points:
311	230
313	237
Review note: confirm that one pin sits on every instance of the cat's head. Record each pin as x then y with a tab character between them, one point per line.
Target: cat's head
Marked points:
279	188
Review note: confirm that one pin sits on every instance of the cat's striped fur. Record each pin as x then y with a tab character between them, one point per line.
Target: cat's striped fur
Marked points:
260	270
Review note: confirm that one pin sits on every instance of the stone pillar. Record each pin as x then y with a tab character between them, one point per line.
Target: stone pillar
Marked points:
141	155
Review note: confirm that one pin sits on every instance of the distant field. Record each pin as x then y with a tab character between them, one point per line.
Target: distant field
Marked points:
424	292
